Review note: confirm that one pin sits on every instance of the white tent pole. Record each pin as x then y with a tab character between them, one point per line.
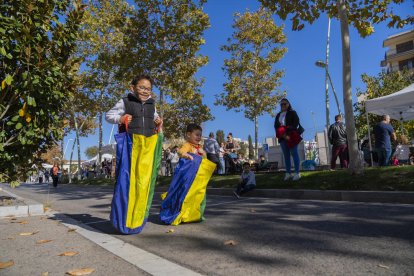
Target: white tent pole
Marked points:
369	139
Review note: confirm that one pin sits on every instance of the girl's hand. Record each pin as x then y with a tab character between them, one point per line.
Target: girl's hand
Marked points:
158	121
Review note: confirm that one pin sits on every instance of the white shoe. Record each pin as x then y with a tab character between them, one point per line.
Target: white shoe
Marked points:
287	177
296	177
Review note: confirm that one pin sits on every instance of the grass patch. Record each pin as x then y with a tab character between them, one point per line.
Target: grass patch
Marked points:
374	179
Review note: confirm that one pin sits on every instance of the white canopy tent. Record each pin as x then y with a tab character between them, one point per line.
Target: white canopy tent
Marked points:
95	159
398	105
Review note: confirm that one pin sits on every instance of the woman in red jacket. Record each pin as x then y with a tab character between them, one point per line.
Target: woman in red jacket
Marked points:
288	132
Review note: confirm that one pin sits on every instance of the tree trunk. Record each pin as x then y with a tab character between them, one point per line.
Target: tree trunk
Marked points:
61	152
70	161
78	143
256	131
354	164
100	142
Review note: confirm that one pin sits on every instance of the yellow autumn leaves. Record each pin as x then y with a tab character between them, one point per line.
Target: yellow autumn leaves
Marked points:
23	113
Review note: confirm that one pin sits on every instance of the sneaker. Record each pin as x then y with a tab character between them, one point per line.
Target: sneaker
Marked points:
236	195
287	177
296	177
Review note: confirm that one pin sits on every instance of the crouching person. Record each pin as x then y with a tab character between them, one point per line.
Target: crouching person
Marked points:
247	181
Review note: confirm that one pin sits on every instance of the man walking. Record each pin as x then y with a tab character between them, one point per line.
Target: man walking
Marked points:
212	148
337	138
383	132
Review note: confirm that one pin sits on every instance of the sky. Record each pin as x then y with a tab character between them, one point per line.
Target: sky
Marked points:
303	81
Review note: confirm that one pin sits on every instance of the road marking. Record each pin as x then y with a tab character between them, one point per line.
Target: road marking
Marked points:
142	259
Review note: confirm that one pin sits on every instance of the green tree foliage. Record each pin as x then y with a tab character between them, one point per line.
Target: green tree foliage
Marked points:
362	15
37	41
377	86
243	149
103	30
163	40
220	136
253	80
91	151
251	149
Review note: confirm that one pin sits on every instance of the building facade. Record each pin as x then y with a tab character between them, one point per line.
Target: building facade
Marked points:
400	53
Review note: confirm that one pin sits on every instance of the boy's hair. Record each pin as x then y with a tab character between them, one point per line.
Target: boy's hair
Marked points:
245	164
193	127
139	77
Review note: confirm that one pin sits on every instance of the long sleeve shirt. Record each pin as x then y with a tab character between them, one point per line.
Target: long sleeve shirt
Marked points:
191	148
114	115
248	178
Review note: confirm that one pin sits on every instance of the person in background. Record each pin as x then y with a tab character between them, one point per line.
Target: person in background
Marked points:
337	138
247	181
384	132
174	159
212	148
263	164
288	131
402	151
222	169
54	172
231	145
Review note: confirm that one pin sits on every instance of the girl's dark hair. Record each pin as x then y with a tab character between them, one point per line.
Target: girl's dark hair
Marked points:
286	100
193	127
137	78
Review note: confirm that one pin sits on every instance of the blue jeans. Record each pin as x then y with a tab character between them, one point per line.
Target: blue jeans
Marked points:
287	152
384	156
222	169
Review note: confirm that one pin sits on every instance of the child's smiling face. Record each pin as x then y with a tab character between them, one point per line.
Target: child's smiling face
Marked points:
194	137
142	90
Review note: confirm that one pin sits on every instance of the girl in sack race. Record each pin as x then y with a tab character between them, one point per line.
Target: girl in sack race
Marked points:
289	131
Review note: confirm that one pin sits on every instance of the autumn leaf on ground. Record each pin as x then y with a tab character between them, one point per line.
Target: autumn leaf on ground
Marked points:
252	211
170	231
28	233
23	222
69	253
71	230
384	266
230	242
80	272
6	264
45	273
43	241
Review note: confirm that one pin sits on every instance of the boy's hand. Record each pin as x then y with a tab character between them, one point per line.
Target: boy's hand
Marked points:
125	117
158	121
201	151
187	156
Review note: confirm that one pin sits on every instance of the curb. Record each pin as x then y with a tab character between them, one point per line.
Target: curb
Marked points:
30	207
333	195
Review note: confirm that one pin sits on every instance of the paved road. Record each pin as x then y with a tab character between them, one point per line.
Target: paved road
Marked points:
273	236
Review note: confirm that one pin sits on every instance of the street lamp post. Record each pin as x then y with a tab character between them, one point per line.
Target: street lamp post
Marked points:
67	144
322	64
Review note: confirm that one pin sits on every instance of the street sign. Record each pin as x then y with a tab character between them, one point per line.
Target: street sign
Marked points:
265	148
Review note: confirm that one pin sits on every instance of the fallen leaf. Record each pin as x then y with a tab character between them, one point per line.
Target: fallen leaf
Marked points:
45	209
43	241
230	242
13	218
28	233
23	222
69	253
384	266
80	272
11	238
71	230
45	273
170	231
6	264
252	211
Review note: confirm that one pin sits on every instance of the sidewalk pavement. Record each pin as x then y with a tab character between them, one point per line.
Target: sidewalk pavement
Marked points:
34	245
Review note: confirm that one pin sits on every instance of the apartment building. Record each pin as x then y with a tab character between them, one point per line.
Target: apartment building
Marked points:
400	53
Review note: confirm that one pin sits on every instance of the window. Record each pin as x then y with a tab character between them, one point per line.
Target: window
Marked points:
406	64
404	47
